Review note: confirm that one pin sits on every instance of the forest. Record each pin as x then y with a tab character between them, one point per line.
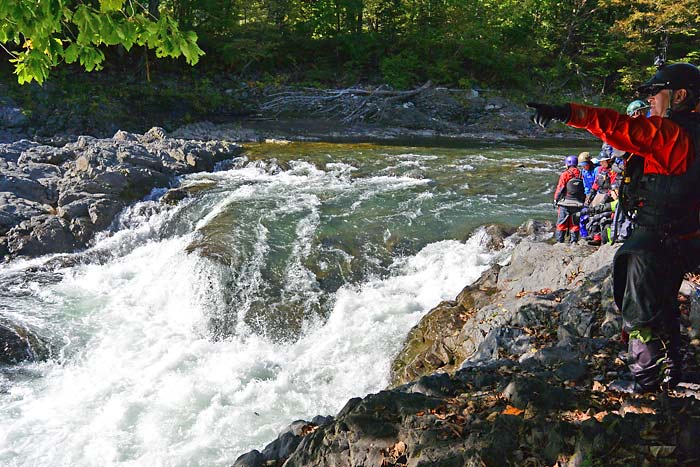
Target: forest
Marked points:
593	48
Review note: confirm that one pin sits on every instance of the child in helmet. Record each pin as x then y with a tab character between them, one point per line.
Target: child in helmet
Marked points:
568	197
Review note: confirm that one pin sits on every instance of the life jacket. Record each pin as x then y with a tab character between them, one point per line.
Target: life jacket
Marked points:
668	203
572	193
604	179
575	190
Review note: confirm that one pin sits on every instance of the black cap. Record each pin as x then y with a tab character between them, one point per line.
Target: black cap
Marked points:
674	76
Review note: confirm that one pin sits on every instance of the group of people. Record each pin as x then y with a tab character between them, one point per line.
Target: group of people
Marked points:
586	197
657	191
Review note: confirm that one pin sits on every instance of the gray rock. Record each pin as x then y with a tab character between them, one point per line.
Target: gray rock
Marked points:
46	155
102	212
572	371
694	316
77	208
500	342
435	385
250	459
14	210
538	392
154	134
12	152
282	447
19	344
24	187
124	136
40	235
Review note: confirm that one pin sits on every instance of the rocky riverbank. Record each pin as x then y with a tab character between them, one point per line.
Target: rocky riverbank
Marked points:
236	111
54	199
514	371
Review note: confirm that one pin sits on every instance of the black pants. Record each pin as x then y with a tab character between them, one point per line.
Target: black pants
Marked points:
647	272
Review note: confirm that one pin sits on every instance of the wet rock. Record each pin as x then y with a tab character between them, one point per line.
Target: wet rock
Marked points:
174	195
250	459
40	235
435	342
496	236
19	344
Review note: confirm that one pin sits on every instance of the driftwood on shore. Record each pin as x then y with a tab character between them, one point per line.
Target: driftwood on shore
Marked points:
348	105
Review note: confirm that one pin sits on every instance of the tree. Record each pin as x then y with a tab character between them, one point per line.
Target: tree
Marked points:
46	33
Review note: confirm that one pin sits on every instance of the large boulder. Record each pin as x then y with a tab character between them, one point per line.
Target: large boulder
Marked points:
528	291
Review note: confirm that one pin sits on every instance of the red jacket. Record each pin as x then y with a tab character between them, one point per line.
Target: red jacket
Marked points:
666	147
568	174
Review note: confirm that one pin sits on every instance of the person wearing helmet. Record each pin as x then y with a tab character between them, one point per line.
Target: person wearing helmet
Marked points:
604	177
568	198
637	108
664	203
587	169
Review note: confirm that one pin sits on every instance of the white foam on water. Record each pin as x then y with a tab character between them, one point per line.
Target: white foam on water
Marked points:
151	389
142	382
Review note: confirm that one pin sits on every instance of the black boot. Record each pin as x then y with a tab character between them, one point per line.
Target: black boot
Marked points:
560	235
573	237
646	362
673	363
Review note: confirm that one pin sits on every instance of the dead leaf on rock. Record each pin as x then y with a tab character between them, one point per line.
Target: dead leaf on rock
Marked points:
600	415
510	410
543	292
628	408
598	386
492	417
575	416
521	294
661	451
398	450
308	429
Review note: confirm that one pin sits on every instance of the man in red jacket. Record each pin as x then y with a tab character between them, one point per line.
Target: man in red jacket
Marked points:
663	200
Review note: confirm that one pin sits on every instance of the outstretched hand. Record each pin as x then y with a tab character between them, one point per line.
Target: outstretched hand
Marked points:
545	113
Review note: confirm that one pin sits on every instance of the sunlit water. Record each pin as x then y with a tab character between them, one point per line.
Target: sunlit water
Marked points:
281	288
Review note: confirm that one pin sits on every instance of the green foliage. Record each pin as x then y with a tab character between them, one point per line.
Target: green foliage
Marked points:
591	48
50	32
401	70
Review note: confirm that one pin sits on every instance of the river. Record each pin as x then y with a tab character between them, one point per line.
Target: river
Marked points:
282	287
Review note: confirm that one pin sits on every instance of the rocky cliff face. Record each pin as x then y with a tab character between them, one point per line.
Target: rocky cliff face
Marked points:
514	371
54	199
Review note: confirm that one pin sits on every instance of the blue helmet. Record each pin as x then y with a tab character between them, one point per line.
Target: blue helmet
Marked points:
571	161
